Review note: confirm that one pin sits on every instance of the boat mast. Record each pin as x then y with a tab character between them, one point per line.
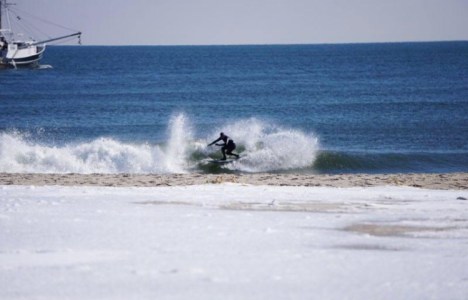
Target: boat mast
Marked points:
1	4
4	10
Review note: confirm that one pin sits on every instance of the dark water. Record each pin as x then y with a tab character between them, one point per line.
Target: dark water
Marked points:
372	108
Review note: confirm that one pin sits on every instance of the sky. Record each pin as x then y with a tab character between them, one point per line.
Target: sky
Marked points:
223	22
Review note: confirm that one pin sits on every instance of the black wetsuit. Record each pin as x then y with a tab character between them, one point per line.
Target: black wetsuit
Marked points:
228	146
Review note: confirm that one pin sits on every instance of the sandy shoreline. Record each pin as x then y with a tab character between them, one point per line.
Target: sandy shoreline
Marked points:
427	180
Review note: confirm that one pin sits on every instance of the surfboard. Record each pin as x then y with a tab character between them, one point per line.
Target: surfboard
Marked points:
222	162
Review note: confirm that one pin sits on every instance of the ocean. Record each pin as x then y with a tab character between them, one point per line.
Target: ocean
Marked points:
325	109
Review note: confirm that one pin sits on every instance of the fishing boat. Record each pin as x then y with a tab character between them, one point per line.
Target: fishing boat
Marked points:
15	50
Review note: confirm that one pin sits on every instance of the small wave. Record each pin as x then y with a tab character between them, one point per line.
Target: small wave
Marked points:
352	162
103	155
44	67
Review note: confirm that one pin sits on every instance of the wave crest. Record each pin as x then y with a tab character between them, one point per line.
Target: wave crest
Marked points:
263	147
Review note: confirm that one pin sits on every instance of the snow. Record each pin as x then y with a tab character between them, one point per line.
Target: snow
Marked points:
232	241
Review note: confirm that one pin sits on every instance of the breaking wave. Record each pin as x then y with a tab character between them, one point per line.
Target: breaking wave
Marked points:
263	147
267	147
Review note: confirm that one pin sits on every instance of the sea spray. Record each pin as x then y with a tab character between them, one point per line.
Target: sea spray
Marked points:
270	147
176	152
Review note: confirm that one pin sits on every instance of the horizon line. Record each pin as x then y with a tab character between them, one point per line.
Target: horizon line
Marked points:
271	44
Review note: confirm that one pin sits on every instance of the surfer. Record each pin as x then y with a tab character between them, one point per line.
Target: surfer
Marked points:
227	147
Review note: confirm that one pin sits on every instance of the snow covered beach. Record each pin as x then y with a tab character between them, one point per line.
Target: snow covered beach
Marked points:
233	240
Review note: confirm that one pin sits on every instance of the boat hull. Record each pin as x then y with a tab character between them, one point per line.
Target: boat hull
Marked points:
24	56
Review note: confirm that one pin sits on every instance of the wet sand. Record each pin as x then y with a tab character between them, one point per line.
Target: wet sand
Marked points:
445	181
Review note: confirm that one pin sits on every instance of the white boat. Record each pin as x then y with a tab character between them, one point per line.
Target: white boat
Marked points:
18	52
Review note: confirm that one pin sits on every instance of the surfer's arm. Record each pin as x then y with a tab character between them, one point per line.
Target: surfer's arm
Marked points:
217	140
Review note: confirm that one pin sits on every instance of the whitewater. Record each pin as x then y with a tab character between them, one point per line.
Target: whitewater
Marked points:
263	147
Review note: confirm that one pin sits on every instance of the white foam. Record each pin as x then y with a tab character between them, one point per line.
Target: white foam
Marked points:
44	67
102	155
269	147
265	147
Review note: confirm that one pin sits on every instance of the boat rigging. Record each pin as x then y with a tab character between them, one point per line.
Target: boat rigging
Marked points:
15	50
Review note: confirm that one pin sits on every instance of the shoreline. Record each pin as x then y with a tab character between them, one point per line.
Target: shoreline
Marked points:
442	181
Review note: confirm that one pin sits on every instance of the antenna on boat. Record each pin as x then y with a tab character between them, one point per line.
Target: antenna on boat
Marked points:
1	12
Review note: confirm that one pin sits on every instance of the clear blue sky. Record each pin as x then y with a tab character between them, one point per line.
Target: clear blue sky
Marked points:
207	22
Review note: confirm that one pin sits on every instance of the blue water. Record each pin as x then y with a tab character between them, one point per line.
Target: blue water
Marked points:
372	108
